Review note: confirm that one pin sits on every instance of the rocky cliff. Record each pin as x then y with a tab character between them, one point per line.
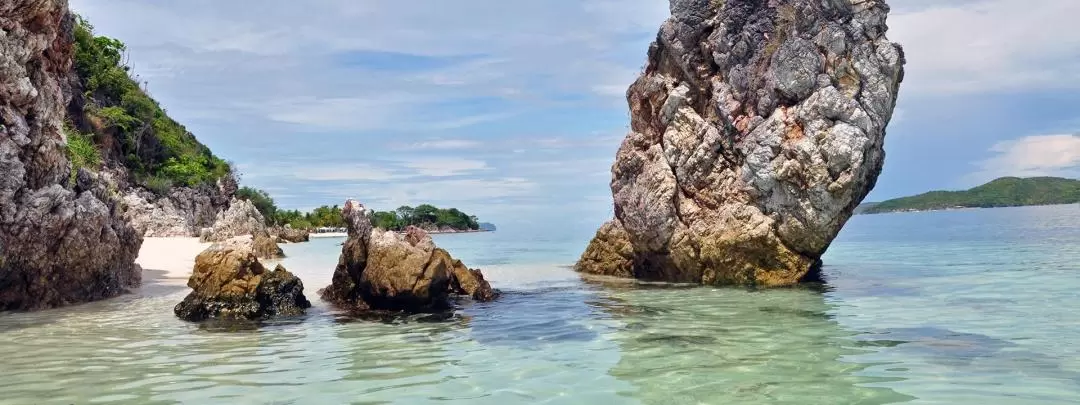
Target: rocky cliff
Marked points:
173	185
756	129
184	211
62	238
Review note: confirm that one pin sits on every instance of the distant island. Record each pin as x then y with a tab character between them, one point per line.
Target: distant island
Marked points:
1002	192
428	217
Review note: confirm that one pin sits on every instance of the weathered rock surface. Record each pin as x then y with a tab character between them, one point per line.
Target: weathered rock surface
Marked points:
242	218
288	235
229	282
265	246
60	243
185	211
757	128
385	270
609	254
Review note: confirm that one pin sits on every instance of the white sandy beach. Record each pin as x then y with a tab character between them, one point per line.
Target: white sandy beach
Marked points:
329	235
169	260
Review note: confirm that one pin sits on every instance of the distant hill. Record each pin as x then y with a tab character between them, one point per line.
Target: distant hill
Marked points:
1003	192
487	226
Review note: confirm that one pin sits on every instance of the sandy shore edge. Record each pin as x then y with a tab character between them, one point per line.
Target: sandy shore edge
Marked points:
169	260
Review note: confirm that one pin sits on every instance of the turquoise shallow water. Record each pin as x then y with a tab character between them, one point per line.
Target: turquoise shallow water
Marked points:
957	307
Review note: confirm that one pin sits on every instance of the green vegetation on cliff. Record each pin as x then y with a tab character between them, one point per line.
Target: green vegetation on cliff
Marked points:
130	127
1003	192
81	151
330	216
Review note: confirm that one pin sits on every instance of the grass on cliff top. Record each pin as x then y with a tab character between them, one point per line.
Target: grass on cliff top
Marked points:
1003	192
156	149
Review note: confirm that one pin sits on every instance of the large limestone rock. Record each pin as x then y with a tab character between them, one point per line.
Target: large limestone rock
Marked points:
242	218
60	243
385	270
185	211
229	282
757	128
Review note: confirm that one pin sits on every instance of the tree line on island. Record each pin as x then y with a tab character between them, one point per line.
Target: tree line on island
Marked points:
424	215
1002	192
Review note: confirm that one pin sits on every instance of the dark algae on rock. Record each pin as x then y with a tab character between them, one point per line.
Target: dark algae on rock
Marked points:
757	127
62	238
381	270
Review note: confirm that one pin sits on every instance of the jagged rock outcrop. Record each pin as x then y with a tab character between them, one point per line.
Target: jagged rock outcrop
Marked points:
229	282
288	235
265	246
756	129
242	218
185	211
60	243
385	270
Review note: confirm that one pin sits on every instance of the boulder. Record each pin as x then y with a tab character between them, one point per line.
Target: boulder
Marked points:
229	282
62	238
386	270
756	129
265	247
242	218
288	235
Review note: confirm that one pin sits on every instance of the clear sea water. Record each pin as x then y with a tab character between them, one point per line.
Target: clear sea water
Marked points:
958	307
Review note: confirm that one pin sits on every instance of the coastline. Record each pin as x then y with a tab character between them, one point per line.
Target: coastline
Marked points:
959	208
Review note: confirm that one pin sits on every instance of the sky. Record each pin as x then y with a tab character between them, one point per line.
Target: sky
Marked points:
513	110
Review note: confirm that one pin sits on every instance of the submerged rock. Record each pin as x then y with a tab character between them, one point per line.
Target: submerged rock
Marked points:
385	270
229	282
242	218
757	128
62	238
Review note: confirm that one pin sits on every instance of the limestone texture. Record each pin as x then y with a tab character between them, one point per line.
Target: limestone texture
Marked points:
229	282
265	246
287	234
242	218
62	238
757	127
184	211
383	270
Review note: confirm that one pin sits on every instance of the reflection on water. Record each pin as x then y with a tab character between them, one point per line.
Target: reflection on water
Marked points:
912	313
735	346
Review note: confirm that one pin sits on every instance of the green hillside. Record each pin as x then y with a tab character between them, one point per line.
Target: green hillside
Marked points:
127	126
1003	192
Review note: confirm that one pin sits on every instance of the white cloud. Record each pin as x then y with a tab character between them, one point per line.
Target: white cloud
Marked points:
381	171
440	144
1040	155
444	167
989	45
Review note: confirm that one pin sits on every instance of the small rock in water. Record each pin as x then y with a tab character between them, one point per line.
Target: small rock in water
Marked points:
265	247
387	271
229	282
